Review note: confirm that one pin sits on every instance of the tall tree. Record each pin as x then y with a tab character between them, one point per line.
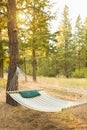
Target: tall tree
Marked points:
1	56
85	42
12	82
78	41
64	43
38	33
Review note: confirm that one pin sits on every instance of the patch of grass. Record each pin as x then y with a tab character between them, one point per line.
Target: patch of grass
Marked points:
65	94
70	82
68	120
2	83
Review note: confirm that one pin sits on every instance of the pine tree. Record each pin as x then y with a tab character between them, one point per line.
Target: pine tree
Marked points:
64	44
85	42
78	41
12	82
37	27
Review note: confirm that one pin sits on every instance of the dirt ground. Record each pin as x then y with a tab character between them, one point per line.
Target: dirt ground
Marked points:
21	118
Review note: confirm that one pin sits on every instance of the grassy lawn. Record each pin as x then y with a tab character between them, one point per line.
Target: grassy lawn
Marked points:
56	82
65	88
70	82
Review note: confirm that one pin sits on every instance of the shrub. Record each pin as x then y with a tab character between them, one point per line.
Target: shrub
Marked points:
80	74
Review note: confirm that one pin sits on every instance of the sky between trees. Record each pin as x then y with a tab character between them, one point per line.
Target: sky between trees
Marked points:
76	7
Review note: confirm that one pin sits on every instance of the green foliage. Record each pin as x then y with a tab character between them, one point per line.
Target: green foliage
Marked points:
82	73
46	67
79	44
65	47
36	25
61	53
36	41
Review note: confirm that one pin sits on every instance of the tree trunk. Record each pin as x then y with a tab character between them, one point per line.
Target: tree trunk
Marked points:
25	70
1	59
34	65
12	82
79	61
1	68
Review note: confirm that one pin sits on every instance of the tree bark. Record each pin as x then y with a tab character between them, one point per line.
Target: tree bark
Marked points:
1	59
12	82
25	70
34	65
1	68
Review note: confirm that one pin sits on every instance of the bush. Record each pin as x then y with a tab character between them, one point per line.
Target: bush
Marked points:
80	74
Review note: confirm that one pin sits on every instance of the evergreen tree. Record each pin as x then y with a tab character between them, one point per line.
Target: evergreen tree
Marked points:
85	42
37	27
12	82
64	44
78	41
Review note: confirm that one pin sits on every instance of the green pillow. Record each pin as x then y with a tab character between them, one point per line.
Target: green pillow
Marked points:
29	94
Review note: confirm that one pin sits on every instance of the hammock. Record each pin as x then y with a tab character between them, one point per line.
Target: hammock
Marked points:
43	102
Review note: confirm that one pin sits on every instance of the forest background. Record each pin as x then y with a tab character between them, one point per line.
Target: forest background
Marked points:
42	53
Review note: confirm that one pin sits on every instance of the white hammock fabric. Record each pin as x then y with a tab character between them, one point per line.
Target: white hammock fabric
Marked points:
44	102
